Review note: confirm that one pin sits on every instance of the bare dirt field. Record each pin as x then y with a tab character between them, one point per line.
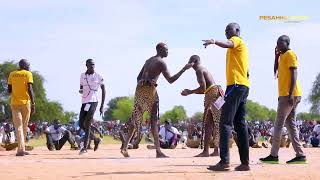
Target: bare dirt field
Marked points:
108	163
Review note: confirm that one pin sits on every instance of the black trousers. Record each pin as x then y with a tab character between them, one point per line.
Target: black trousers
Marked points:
233	114
85	120
60	143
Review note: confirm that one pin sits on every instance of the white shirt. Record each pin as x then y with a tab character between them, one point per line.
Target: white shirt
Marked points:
56	134
91	84
165	134
283	131
316	129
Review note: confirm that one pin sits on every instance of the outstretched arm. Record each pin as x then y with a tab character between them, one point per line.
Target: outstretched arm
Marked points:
223	44
202	85
172	79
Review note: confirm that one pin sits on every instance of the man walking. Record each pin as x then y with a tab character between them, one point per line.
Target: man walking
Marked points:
289	89
90	82
234	109
22	102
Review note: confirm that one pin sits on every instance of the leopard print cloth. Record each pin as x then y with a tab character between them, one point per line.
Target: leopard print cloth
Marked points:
145	100
210	97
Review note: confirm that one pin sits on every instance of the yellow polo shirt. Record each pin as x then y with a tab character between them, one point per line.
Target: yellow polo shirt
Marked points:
237	63
287	60
19	81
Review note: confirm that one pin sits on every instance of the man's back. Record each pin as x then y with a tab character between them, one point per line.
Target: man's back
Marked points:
19	80
207	76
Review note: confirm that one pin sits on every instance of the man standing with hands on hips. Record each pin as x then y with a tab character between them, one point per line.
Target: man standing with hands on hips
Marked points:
22	102
285	69
90	82
233	111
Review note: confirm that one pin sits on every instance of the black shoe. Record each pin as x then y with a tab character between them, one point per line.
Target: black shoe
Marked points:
298	160
23	153
242	167
220	166
270	159
96	144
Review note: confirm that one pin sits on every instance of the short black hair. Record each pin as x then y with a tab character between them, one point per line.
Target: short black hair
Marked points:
160	45
194	59
89	60
285	38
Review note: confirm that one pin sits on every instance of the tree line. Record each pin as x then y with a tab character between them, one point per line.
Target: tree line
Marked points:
46	110
120	108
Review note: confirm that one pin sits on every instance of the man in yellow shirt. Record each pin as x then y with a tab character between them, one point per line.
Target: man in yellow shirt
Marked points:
290	94
233	111
20	86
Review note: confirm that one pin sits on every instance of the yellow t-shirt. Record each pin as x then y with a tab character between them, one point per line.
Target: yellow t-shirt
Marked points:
19	81
287	60
237	63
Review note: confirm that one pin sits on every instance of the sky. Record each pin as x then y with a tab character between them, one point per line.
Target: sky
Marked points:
58	36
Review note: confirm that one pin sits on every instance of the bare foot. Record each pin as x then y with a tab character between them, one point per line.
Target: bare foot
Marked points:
215	153
161	155
203	154
125	153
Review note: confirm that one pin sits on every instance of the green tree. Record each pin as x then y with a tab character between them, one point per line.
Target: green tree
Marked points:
314	97
308	116
197	116
255	111
123	110
45	109
112	104
176	114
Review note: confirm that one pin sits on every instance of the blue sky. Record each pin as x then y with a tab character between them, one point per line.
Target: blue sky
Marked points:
58	36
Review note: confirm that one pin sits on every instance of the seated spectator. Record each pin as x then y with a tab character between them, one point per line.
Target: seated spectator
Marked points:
169	136
79	137
315	139
57	136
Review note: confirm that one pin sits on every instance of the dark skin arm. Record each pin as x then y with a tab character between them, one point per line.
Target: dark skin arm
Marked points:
223	44
31	94
9	88
276	57
294	75
103	89
172	79
200	89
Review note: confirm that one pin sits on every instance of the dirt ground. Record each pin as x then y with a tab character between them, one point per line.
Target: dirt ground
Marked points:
108	163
